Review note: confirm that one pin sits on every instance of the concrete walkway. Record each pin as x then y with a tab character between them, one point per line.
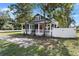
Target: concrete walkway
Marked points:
23	42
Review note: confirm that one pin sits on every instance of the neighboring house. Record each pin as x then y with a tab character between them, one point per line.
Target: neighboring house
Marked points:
43	26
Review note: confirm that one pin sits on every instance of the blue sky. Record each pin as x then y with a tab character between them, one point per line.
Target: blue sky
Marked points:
76	13
4	6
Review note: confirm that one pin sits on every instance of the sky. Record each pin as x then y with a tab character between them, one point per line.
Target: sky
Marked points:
75	12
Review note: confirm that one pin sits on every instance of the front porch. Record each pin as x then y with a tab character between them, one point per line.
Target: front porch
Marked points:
40	29
50	30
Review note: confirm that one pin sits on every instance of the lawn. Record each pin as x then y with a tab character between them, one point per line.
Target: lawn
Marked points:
11	49
53	48
9	33
46	47
77	33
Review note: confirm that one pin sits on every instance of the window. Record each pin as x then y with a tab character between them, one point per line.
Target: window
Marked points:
37	17
27	26
36	26
41	27
48	27
54	25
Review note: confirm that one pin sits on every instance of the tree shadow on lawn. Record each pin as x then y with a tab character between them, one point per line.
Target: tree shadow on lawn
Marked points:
33	37
44	39
11	49
15	50
58	47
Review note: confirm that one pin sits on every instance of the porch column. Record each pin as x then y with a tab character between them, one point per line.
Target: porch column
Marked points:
50	30
50	27
29	27
38	28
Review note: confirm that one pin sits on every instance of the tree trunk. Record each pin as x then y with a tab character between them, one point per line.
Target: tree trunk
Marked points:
22	27
45	24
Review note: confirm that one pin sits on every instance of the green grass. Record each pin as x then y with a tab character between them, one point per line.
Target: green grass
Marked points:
61	47
78	34
11	49
9	33
40	49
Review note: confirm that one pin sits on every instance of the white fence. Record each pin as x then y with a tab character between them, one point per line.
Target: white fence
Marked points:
56	32
64	32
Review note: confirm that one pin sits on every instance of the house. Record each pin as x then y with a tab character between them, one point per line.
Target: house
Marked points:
39	25
49	27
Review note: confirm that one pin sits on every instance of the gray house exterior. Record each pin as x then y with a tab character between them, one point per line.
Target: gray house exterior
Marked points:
40	26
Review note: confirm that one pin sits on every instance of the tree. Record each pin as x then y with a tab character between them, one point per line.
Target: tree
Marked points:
23	12
64	16
4	19
60	12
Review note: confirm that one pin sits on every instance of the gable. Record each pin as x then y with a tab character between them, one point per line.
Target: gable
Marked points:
39	17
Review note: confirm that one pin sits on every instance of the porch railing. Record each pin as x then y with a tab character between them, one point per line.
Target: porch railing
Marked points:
36	30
